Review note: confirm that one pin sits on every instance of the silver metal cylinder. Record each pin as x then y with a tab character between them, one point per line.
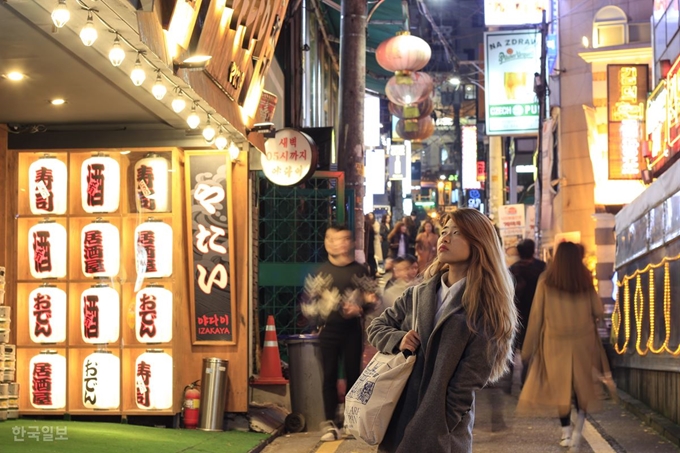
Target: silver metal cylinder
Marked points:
213	394
306	379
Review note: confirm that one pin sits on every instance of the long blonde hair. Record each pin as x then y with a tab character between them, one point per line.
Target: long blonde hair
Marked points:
489	290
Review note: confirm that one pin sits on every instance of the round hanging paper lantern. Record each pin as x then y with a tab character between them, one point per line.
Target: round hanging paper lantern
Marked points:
153	380
412	111
151	182
415	129
403	53
155	239
100	184
47	315
47	178
410	89
100	315
153	315
47	250
48	380
101	381
100	250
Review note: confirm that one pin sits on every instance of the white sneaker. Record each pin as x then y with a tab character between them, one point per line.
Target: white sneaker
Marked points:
330	431
578	431
565	440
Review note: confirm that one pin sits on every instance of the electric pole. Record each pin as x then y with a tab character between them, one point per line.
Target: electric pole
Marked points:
541	90
350	128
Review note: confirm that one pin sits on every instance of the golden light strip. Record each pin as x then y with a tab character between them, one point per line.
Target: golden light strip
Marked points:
652	317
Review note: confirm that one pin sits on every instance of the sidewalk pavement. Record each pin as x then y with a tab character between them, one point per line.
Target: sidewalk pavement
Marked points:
613	430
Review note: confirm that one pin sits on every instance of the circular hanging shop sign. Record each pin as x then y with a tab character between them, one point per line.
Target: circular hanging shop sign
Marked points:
290	157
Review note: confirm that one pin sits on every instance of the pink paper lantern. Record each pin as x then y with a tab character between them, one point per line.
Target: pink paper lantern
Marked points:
409	89
403	53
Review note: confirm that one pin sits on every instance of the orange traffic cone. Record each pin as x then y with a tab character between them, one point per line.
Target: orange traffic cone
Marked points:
270	369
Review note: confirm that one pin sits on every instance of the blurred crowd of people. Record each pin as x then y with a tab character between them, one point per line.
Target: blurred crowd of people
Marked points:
460	264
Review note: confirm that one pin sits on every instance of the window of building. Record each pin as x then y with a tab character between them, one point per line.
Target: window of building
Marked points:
610	27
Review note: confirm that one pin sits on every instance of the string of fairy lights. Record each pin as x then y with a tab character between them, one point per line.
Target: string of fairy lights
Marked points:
639	311
213	131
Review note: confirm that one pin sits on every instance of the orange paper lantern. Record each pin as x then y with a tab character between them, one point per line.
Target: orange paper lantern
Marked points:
409	89
403	53
415	129
412	111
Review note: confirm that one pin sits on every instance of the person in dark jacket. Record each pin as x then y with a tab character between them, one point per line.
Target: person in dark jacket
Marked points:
526	272
466	322
399	240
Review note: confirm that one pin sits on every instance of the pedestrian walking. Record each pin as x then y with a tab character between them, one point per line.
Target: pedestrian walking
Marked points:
426	245
399	240
466	324
385	228
562	343
337	296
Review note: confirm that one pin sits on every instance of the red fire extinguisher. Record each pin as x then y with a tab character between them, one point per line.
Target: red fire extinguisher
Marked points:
192	398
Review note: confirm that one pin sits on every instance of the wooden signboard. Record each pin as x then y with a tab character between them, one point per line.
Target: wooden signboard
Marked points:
211	246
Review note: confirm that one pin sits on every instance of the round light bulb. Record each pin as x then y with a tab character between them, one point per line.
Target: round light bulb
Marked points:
138	75
61	14
234	152
193	120
158	90
221	141
116	54
178	103
209	132
88	35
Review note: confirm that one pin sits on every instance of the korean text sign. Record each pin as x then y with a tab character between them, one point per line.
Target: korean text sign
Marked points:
627	87
512	59
208	177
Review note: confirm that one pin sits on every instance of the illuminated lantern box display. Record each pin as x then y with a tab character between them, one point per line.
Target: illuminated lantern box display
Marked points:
100	315
100	250
47	315
155	239
48	380
153	380
47	250
47	177
151	183
101	381
153	315
100	184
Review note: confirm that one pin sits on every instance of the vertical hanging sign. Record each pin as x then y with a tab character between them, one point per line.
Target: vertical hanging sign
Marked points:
208	176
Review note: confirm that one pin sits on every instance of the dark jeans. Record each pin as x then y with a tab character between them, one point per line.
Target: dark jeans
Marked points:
333	346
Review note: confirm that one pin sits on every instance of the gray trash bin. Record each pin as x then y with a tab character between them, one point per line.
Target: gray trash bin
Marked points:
306	379
213	394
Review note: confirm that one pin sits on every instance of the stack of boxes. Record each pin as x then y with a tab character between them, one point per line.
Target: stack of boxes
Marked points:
9	390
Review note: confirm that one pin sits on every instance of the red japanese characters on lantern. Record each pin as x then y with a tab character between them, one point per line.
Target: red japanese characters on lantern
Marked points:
47	250
48	180
155	238
100	315
153	315
48	380
47	315
403	53
151	180
101	381
100	250
100	184
153	380
290	157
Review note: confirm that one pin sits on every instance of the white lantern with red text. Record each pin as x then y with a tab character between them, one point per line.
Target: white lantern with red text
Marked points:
100	250
47	250
47	315
47	375
100	184
100	315
47	179
151	183
153	315
153	380
155	239
101	381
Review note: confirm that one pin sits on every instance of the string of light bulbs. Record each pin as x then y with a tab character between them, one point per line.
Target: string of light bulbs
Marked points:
213	133
638	310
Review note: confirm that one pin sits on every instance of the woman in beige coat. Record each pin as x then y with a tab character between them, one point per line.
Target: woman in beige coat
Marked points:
562	343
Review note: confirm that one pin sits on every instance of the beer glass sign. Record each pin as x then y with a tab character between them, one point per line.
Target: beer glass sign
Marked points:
512	58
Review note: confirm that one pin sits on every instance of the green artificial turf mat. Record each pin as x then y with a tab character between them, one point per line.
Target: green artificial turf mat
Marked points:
89	437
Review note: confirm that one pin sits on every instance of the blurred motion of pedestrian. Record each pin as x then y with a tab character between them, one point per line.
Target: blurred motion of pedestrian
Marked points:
399	240
336	298
466	321
562	345
370	249
426	245
526	272
385	228
412	223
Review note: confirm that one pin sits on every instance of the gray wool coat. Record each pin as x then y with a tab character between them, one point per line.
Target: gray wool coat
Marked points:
436	410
